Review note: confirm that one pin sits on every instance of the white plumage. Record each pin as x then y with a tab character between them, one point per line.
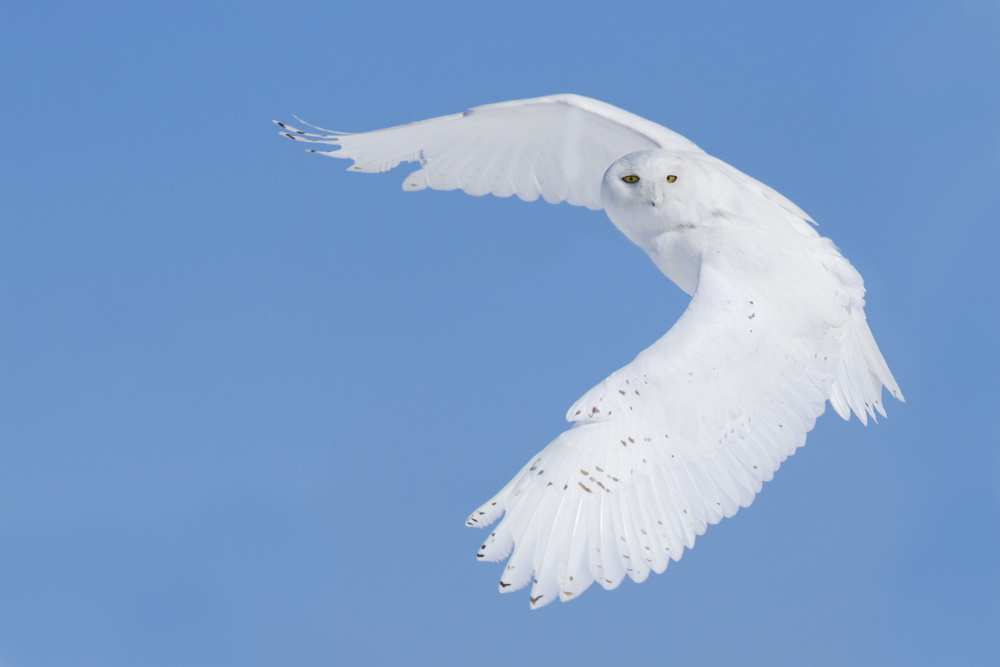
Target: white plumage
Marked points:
686	433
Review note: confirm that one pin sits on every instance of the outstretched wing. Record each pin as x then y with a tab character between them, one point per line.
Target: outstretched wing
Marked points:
681	437
554	147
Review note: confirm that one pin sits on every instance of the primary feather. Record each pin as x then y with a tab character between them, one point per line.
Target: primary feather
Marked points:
688	432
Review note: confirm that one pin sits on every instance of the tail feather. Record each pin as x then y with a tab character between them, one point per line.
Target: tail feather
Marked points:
861	374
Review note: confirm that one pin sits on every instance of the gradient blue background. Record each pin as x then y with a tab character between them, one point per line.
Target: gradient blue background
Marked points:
248	399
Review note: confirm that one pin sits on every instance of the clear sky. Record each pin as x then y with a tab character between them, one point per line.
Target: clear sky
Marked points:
248	398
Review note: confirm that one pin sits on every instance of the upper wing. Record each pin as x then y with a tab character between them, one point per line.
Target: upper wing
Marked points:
681	437
556	147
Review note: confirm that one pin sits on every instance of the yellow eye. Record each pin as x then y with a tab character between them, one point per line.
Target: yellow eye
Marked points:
630	179
671	178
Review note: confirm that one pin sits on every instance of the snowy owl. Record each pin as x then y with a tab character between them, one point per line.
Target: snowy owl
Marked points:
688	432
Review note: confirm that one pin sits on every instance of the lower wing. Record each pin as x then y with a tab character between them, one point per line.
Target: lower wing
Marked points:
684	435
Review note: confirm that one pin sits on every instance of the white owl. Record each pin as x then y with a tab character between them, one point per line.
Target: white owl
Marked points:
688	432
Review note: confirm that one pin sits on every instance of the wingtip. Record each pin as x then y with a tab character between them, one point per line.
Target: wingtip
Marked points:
538	602
286	128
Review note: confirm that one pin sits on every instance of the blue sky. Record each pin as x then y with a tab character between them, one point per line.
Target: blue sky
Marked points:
248	398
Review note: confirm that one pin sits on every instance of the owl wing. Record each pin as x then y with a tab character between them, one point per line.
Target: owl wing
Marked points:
554	147
681	437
